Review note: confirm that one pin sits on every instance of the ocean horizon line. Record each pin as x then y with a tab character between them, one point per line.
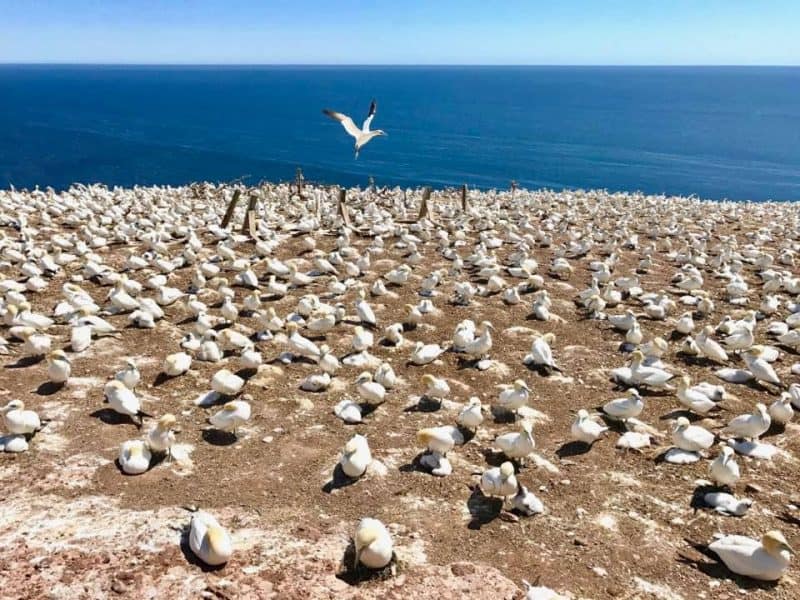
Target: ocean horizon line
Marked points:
401	65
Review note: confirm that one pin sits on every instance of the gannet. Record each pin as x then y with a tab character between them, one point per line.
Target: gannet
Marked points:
123	401
134	457
58	366
440	439
541	355
373	544
436	388
370	391
129	375
209	541
724	470
766	559
691	438
781	410
514	396
226	383
177	364
161	436
365	313
232	415
694	398
749	426
19	421
385	376
471	416
425	353
762	371
300	345
356	456
517	444
586	429
709	347
499	481
623	408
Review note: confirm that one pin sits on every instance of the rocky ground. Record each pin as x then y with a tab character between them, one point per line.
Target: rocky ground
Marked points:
617	524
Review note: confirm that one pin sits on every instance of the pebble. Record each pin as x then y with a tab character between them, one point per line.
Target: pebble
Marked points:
599	571
753	488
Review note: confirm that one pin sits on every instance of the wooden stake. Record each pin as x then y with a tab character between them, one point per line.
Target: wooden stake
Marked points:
464	206
250	222
231	207
424	212
343	207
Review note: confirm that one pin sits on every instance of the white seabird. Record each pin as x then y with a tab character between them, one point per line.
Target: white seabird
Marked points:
363	135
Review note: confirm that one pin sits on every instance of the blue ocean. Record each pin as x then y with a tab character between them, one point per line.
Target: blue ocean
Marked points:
716	132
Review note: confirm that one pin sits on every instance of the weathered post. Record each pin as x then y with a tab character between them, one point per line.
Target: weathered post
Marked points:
250	221
343	207
424	210
464	206
231	207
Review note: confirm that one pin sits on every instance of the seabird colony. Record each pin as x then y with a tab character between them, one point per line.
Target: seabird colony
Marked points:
690	310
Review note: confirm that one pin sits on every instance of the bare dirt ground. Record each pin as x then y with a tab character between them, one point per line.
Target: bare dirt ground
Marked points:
617	524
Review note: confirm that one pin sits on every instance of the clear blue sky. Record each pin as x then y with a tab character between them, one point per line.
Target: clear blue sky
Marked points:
402	31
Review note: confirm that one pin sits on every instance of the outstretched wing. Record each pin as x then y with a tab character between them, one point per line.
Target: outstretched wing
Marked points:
346	122
372	108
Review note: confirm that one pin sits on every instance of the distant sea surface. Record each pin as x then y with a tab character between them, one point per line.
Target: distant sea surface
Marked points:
716	132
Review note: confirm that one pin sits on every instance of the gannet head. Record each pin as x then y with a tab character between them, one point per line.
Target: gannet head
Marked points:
633	393
506	470
583	414
761	409
217	540
365	535
135	450
774	543
351	446
229	407
13	405
681	423
57	355
726	452
364	377
527	427
520	384
487	325
683	382
428	379
291	327
166	421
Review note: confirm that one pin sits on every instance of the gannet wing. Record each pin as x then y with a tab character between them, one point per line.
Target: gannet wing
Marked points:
372	108
346	122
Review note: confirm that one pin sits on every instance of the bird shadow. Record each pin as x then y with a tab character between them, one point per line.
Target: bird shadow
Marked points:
482	509
697	502
246	372
468	434
415	466
216	437
355	574
790	519
25	361
775	428
541	370
493	458
48	388
338	481
503	416
161	379
573	448
718	570
367	408
424	405
191	557
674	414
111	417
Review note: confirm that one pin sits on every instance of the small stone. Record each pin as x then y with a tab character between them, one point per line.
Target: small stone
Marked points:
305	404
753	488
565	482
599	571
462	569
267	439
580	542
118	587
